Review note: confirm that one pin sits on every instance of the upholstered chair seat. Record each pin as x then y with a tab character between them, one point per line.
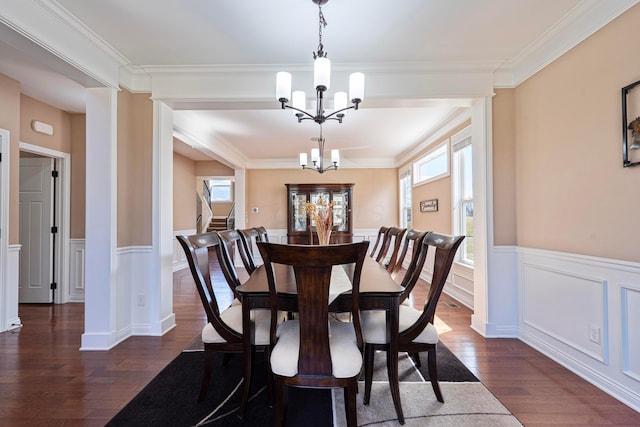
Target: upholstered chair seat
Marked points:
232	316
374	329
346	359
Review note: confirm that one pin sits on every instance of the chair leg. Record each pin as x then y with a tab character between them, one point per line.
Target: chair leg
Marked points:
433	373
350	403
206	376
268	375
280	407
416	358
248	361
369	352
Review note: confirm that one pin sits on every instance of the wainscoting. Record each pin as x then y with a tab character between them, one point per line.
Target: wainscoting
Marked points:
75	290
584	312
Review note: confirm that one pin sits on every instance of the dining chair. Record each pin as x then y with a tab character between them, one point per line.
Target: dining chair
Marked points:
416	331
223	331
312	351
250	237
410	239
263	235
233	238
381	233
395	242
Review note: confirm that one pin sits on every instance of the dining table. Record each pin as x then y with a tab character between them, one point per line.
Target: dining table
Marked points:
378	291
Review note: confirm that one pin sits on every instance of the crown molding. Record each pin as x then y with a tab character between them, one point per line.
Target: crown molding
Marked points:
446	125
582	21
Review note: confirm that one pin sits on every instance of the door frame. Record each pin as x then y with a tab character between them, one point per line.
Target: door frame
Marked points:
62	212
4	228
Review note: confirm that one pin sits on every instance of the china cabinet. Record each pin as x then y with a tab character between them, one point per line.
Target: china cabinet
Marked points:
300	226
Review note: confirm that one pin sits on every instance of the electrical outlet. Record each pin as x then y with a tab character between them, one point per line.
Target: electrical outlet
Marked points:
141	300
594	334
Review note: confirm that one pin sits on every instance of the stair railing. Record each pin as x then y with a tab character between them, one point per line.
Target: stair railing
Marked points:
231	218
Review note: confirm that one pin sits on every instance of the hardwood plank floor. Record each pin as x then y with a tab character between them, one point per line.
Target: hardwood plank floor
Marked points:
46	381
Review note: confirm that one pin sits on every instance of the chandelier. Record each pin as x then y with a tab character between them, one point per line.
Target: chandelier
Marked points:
321	79
317	157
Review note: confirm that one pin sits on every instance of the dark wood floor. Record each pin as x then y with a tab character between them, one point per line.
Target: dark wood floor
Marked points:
46	381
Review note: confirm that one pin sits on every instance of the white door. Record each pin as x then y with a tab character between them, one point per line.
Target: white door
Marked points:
36	239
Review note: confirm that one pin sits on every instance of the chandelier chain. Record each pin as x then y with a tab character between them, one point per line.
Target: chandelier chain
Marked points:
321	24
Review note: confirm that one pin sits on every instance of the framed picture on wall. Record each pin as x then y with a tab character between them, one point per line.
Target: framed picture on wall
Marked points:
631	125
429	205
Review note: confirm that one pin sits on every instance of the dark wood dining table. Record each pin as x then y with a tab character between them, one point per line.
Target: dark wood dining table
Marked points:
378	291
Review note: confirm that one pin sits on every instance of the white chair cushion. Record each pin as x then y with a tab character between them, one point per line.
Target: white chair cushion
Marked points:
346	358
232	316
374	327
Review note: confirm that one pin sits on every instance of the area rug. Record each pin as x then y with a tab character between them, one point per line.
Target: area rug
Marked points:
466	405
170	399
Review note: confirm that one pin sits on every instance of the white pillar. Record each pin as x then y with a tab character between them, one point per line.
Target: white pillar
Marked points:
240	197
481	118
101	220
161	287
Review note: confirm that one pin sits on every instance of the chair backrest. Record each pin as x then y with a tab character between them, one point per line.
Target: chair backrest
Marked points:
445	250
198	249
233	238
395	243
251	236
312	266
227	243
391	235
264	237
413	238
379	240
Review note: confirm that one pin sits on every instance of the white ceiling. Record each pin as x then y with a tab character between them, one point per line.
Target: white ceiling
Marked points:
449	35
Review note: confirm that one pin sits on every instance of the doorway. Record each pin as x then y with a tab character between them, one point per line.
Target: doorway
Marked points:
37	277
44	258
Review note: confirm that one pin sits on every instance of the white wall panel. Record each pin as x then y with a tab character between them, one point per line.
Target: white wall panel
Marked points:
552	296
77	273
563	295
631	332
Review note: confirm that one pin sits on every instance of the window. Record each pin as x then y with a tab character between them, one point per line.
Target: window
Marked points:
405	199
221	190
434	165
463	193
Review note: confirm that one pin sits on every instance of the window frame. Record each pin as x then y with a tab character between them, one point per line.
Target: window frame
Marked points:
230	186
405	205
431	155
460	141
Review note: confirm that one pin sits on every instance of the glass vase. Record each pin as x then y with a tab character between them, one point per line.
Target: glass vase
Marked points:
323	237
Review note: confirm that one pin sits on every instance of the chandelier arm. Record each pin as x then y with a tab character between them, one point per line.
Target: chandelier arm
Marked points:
340	111
310	117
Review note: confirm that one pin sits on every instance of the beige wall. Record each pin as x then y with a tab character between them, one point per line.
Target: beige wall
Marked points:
212	168
78	175
31	109
135	149
184	193
572	193
439	221
375	195
504	182
10	120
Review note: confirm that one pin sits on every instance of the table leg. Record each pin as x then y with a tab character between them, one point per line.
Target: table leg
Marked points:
392	357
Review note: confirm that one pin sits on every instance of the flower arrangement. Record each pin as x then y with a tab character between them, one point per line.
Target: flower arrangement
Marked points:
322	214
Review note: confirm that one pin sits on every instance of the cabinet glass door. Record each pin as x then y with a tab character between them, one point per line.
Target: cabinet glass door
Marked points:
340	210
316	198
299	217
